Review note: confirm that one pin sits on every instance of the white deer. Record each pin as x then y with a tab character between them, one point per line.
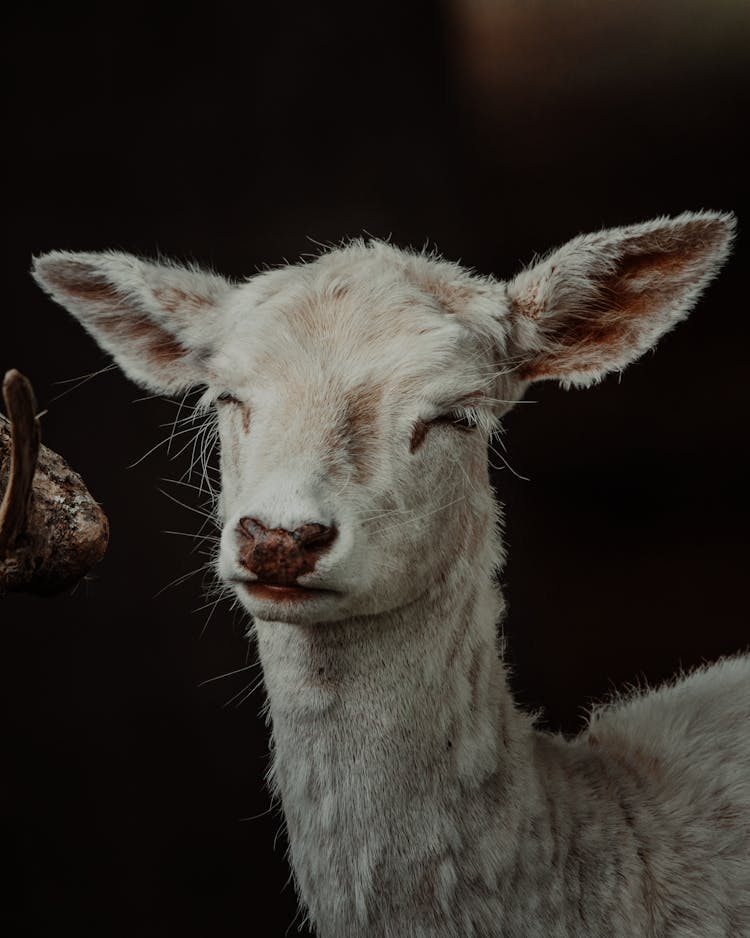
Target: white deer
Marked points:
355	396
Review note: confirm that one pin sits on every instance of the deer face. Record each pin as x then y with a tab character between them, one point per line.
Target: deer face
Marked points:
353	427
355	395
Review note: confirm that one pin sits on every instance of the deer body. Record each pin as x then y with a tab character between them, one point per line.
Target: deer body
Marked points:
354	399
419	801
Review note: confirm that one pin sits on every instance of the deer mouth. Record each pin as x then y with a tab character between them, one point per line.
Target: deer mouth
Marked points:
276	593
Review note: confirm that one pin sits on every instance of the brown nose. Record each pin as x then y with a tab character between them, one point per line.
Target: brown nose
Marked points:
278	556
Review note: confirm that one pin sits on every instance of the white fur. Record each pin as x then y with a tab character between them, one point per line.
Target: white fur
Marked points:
419	801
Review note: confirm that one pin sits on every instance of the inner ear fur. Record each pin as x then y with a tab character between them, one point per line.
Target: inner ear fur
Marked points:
600	301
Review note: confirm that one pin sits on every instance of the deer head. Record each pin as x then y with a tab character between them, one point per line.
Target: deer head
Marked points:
355	394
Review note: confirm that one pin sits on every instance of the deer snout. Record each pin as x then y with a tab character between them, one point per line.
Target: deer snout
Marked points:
277	556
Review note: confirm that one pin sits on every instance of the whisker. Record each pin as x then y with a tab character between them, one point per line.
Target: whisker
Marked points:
245	693
251	691
176	421
179	579
219	677
198	511
271	809
425	514
203	537
157	446
81	381
209	616
188	485
385	513
506	464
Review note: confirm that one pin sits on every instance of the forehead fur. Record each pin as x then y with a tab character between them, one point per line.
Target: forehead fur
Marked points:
367	310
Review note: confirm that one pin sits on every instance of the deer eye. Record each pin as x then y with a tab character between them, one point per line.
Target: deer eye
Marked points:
226	397
454	418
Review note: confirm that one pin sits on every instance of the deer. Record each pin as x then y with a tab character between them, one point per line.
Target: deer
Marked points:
355	395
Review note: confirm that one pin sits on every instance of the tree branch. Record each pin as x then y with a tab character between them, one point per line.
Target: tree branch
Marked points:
51	530
21	406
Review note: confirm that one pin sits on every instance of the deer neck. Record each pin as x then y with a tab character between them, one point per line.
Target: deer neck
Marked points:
383	729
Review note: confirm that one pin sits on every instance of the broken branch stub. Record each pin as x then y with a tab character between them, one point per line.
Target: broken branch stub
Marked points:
51	530
24	430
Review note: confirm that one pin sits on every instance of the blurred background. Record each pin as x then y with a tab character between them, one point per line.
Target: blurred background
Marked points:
239	135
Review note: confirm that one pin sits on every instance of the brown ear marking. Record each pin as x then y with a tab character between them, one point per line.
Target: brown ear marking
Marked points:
650	274
172	299
165	349
584	339
627	297
653	265
77	280
155	343
80	281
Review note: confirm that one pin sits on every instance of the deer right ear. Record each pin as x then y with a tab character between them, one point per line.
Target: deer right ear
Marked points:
600	301
157	320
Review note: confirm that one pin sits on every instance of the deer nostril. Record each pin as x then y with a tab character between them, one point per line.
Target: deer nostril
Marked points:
252	528
308	537
278	556
314	536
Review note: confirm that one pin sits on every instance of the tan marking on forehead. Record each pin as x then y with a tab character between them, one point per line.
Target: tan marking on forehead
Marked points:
307	314
288	409
338	289
339	320
268	364
453	297
453	294
306	324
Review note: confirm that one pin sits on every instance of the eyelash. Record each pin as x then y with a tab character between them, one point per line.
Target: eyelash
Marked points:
454	418
457	419
227	398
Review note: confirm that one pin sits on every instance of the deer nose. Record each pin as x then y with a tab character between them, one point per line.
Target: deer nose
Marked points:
277	556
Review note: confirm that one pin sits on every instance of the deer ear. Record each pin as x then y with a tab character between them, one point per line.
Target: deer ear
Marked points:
157	320
600	301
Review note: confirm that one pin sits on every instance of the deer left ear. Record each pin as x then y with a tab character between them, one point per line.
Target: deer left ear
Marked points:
600	301
159	321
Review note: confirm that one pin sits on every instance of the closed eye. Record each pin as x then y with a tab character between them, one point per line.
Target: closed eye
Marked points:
454	418
457	419
226	397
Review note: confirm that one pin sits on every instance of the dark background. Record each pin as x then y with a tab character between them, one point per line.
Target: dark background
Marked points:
231	134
